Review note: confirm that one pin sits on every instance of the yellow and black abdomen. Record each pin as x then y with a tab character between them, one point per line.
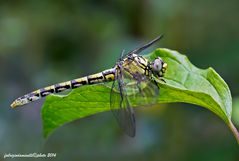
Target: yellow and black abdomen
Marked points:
105	76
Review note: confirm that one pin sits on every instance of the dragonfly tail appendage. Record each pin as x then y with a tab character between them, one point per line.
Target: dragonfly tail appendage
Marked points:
107	75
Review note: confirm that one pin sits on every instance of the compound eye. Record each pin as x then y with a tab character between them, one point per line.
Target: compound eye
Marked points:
157	65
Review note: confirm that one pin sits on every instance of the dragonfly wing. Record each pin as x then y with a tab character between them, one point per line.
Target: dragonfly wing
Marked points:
120	106
145	93
140	49
131	88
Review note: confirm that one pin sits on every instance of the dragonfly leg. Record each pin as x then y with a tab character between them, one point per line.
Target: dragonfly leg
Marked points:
162	80
155	82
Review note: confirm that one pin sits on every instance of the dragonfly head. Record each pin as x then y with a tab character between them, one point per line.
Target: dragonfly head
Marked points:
158	67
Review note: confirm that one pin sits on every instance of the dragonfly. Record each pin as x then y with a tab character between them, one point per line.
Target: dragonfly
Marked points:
133	80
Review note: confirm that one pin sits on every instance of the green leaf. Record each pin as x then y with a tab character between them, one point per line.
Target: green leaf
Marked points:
184	83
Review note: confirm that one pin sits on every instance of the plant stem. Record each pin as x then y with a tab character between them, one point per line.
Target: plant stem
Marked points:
234	130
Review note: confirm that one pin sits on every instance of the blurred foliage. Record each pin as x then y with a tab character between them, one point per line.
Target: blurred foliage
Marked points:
46	42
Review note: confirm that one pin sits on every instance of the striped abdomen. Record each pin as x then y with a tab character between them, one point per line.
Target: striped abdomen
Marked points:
107	75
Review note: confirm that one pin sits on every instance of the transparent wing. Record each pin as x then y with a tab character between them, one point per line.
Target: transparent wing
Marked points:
131	88
120	106
140	49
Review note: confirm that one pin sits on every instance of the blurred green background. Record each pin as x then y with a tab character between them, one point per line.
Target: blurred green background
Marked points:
45	42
